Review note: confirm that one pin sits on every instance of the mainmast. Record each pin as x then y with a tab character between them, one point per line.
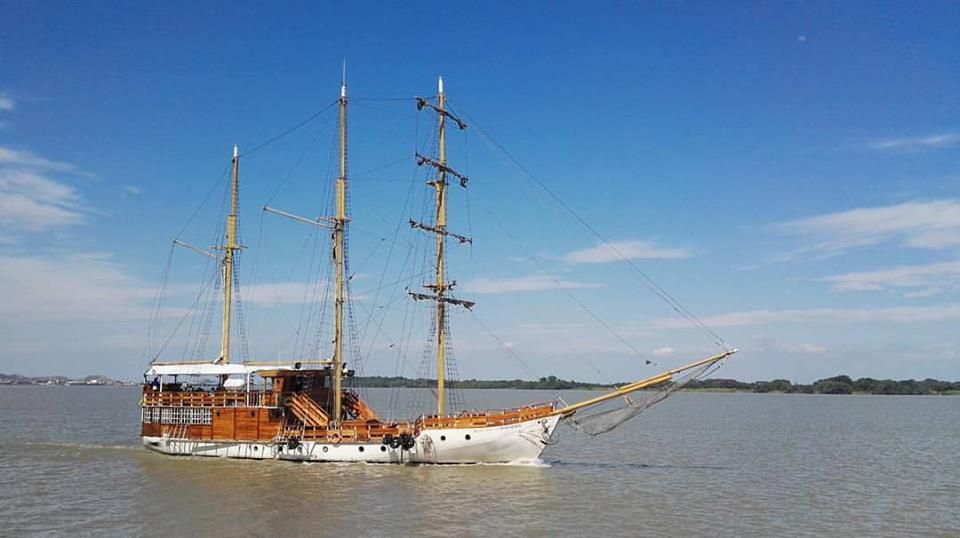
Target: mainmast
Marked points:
229	248
440	287
338	224
339	256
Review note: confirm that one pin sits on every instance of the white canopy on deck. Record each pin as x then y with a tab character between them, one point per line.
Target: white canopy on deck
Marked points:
216	369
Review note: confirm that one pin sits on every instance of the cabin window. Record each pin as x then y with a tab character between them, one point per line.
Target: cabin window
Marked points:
467	437
361	449
177	415
383	448
443	437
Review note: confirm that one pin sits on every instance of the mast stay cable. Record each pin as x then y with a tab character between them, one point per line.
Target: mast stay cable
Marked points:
304	122
645	279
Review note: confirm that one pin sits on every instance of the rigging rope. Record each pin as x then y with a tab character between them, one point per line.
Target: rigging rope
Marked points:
645	279
506	347
203	201
153	327
204	328
190	312
574	299
309	118
354	98
296	164
602	421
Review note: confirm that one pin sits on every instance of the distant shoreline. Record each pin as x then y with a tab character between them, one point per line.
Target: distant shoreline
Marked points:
63	381
841	384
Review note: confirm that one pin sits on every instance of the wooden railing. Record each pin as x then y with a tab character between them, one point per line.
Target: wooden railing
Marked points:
152	398
478	419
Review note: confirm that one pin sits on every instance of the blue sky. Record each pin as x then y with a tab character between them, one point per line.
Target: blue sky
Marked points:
787	170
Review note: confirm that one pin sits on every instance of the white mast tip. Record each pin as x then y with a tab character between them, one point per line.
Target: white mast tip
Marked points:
236	151
440	83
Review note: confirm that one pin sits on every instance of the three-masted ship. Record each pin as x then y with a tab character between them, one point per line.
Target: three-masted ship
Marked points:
302	410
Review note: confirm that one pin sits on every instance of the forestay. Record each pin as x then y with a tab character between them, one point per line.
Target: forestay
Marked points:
604	421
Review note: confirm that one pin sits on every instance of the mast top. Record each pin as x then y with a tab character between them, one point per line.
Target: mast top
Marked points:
236	151
440	84
343	80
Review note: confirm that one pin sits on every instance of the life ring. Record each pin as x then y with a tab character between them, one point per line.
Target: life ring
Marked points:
334	437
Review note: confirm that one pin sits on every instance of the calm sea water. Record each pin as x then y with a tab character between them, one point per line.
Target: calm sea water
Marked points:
695	465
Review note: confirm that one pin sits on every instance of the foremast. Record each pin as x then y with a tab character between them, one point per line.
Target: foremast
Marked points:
229	249
441	286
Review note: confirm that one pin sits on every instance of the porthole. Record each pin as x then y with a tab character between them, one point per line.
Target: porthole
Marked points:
326	448
360	449
443	437
467	437
383	448
256	448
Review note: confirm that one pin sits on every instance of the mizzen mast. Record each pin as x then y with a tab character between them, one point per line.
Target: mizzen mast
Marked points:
441	286
229	249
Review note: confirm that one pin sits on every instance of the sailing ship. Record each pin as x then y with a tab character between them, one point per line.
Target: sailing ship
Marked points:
304	410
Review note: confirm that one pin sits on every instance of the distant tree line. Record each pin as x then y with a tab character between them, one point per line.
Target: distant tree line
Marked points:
840	384
544	383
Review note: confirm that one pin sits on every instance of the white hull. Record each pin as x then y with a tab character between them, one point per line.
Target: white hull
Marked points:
523	441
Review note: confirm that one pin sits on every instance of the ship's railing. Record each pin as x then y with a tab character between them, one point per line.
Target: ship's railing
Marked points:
155	398
499	417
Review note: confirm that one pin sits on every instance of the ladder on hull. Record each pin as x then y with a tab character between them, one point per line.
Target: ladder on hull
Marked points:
178	432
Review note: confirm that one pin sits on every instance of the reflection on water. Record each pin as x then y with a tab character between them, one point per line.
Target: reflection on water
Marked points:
699	464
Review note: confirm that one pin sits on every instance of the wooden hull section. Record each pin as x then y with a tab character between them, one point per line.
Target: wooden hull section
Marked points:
511	443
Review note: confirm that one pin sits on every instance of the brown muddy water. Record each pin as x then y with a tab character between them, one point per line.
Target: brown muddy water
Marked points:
696	465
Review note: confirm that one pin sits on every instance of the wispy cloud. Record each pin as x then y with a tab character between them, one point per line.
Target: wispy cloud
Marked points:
916	143
6	102
663	351
931	224
12	157
31	202
132	190
902	314
72	287
538	282
931	279
630	249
